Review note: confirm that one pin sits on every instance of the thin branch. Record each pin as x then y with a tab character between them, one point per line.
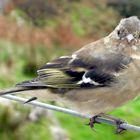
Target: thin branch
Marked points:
70	112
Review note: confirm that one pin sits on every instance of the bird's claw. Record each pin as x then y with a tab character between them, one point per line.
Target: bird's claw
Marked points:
93	121
119	129
117	121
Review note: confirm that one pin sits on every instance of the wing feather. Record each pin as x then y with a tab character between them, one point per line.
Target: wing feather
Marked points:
81	71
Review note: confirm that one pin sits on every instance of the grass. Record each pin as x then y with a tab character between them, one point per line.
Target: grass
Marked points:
13	70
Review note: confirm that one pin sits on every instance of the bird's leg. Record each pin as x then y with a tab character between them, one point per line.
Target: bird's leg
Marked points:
117	121
93	120
119	128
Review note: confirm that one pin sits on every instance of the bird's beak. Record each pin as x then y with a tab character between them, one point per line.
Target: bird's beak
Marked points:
130	37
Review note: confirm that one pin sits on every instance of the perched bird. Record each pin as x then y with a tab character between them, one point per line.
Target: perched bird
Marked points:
97	78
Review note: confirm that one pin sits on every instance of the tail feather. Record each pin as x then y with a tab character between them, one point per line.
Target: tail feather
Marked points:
14	89
32	83
24	86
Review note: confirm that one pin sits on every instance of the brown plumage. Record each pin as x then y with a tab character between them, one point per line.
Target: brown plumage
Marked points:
97	78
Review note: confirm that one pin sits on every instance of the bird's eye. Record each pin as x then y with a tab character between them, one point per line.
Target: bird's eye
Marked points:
118	32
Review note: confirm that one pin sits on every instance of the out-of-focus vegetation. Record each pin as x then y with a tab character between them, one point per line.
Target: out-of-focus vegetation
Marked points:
126	7
32	32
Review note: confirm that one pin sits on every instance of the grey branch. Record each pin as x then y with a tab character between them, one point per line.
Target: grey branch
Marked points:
125	125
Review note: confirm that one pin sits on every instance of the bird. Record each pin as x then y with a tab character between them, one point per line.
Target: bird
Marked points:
98	77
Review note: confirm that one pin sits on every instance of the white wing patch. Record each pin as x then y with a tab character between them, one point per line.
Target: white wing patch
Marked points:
74	56
49	63
87	80
65	57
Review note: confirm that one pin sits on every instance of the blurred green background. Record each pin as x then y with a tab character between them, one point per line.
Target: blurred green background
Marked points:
33	32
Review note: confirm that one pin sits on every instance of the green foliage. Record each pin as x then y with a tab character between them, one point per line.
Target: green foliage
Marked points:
18	65
35	130
16	125
86	18
128	8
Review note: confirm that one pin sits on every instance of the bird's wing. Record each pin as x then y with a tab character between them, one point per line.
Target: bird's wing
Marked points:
71	72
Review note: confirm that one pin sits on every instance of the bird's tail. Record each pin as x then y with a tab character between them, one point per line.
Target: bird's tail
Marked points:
24	86
13	90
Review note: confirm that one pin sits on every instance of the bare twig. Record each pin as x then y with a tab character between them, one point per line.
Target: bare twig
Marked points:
70	112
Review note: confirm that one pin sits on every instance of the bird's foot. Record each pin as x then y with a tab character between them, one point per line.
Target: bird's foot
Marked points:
93	120
119	129
117	121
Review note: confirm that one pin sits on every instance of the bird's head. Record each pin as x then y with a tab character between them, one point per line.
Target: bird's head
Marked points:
126	36
129	29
